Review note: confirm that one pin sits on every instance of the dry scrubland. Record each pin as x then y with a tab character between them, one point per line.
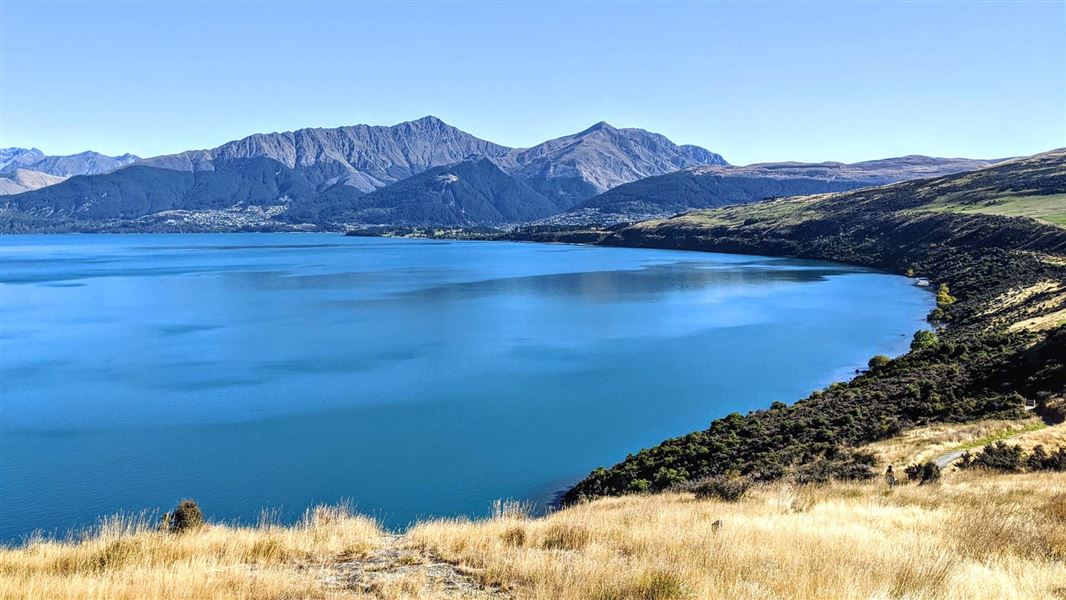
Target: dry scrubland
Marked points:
974	535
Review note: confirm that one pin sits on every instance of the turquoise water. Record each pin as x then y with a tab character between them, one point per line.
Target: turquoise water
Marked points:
414	378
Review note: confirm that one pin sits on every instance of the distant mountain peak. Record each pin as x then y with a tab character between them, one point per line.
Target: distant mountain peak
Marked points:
430	119
601	126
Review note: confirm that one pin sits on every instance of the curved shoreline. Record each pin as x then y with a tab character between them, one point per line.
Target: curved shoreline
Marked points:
998	344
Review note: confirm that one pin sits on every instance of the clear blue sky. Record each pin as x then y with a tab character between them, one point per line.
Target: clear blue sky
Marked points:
757	81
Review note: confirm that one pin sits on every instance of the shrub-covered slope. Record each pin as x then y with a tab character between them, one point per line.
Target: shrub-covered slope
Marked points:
1001	342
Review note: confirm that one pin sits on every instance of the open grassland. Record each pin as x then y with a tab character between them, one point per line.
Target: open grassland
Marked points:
927	443
975	535
1050	208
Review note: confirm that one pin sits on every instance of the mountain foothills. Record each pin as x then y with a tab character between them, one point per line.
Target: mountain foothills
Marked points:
711	186
414	174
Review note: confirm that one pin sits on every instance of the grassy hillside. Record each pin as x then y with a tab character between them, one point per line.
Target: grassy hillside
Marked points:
1049	209
714	186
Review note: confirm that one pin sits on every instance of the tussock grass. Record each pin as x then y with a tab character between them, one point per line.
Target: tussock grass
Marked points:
127	558
977	535
926	443
981	536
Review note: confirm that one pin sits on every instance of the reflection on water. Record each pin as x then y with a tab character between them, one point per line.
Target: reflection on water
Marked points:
414	377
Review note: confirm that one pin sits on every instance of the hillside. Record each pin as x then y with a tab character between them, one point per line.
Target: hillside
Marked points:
574	167
714	186
471	192
24	180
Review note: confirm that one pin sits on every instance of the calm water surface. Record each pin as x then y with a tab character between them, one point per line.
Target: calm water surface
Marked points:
414	378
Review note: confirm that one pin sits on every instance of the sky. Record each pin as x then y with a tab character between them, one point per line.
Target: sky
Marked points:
756	81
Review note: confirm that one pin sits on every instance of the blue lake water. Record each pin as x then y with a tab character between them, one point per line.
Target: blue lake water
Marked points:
414	378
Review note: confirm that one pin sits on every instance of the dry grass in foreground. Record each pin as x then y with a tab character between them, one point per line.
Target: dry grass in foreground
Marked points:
128	559
979	536
975	535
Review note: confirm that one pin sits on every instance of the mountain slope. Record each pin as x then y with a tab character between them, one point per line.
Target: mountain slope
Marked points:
713	186
571	168
140	190
24	180
472	192
362	156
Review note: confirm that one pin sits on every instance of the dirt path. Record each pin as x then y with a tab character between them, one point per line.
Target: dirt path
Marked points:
396	567
946	459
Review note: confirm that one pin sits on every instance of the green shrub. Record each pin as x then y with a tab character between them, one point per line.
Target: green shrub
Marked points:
639	486
997	457
1040	460
878	361
924	339
943	296
927	472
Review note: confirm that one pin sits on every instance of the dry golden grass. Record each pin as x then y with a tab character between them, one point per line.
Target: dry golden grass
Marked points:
974	536
980	536
926	443
126	559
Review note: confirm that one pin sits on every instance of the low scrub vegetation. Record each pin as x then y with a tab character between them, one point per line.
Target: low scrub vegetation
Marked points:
927	472
1012	458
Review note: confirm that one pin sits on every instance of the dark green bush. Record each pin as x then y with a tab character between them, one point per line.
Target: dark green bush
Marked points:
927	472
186	517
1040	460
878	361
997	457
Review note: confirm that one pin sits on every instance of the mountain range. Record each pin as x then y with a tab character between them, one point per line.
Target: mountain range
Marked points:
25	169
417	173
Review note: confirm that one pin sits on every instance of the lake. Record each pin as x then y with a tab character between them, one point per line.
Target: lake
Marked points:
412	377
